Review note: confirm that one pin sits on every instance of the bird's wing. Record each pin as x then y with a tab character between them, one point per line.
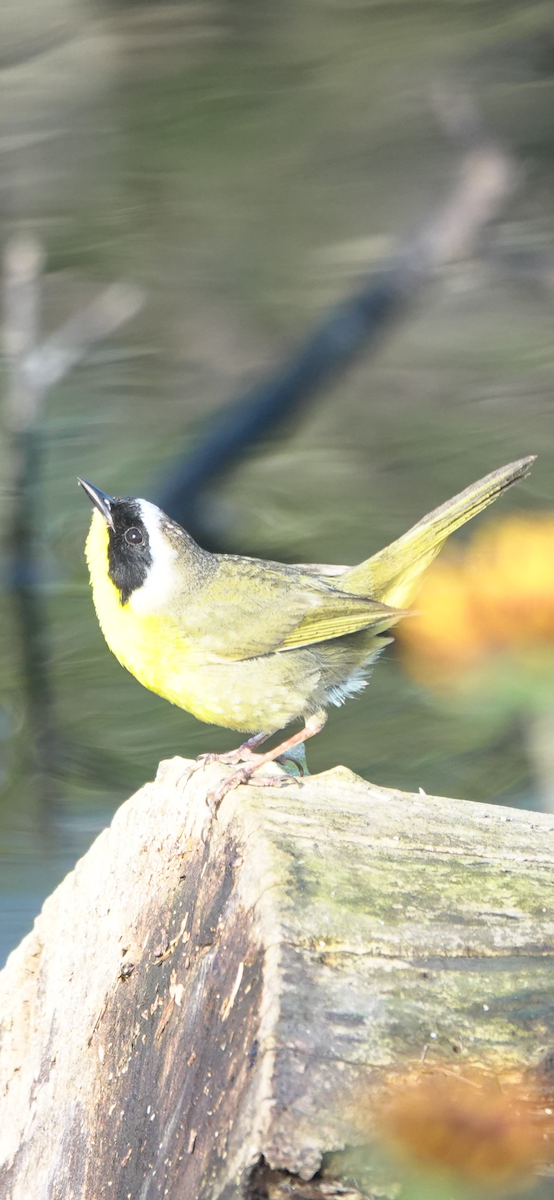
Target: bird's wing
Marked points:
337	616
252	608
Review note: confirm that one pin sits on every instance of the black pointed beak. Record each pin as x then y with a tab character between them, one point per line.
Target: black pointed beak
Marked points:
100	500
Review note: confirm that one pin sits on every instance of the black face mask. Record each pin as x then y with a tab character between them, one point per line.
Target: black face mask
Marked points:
129	554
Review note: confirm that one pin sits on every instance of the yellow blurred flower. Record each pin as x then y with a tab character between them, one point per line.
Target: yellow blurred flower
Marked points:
493	598
466	1126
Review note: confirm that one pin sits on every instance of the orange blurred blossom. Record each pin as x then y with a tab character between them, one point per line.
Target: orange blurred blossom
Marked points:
492	598
466	1126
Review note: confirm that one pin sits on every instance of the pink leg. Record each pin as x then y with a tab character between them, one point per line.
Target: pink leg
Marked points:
313	725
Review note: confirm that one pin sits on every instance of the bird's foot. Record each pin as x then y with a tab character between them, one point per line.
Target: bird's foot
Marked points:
244	753
290	754
245	775
230	758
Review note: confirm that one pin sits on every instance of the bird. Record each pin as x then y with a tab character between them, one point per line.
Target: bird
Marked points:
250	644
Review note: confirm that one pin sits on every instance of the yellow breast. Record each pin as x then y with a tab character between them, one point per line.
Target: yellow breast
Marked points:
152	646
147	644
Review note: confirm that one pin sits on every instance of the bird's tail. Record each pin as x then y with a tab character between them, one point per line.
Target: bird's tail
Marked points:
393	575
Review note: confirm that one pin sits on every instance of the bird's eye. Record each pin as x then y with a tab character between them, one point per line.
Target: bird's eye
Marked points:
133	536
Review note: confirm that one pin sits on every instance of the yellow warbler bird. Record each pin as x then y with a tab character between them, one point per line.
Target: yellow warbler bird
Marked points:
251	644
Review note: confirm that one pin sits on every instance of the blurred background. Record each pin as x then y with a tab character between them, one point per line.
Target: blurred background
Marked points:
244	165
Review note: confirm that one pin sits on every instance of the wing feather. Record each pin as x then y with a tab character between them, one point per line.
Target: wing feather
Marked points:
250	608
332	621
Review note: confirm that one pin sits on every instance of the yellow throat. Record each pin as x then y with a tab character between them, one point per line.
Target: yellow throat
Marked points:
143	642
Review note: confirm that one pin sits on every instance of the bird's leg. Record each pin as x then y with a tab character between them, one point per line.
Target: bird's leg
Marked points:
244	753
313	725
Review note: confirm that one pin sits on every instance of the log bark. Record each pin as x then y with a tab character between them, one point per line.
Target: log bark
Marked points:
201	1001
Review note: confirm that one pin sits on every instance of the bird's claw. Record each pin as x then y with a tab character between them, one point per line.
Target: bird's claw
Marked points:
230	758
227	785
246	775
203	760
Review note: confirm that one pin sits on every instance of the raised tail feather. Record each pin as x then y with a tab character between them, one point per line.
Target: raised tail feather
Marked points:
393	575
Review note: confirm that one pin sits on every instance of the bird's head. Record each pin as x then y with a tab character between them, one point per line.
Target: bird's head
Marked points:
133	545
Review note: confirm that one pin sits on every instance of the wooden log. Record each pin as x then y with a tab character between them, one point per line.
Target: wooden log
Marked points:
200	1001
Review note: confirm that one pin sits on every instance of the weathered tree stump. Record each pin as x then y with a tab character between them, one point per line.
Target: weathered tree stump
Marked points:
201	997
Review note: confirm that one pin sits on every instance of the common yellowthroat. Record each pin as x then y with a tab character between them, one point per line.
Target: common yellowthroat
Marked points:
251	644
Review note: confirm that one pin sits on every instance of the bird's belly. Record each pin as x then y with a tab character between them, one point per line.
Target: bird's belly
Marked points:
250	695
